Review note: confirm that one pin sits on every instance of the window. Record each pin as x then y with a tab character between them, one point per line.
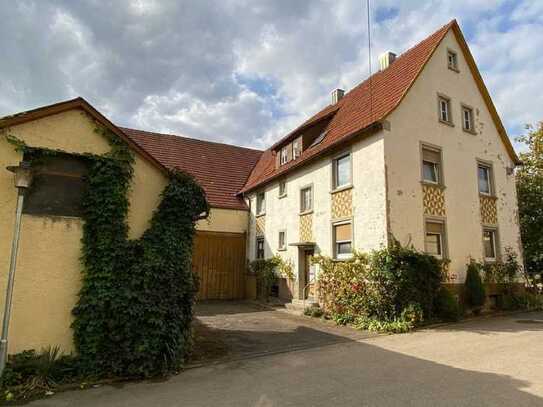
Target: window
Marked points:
259	247
445	110
484	173
284	155
467	119
343	238
282	189
434	239
296	148
431	166
57	188
452	60
489	244
282	240
342	171
260	203
306	199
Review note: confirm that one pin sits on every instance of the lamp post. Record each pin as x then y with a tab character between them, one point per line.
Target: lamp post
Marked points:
23	179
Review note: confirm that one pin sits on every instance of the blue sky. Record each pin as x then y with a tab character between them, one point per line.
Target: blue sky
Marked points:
247	71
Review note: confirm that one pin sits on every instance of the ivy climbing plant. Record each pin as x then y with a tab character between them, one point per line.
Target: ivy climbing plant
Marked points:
135	307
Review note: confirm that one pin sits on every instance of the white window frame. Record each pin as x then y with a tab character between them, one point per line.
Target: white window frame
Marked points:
296	151
283	155
437	166
440	242
442	237
454	64
284	245
310	209
470	128
260	239
436	171
337	255
284	192
494	234
260	203
444	101
488	169
335	172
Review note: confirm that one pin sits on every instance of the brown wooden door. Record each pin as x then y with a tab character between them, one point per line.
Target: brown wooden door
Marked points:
219	260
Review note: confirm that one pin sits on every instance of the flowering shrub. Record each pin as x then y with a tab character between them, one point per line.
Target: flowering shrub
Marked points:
396	284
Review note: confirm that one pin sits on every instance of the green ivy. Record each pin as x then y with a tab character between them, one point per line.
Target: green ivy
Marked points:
135	307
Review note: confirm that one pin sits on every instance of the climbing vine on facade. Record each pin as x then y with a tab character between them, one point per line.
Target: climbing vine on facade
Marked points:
134	311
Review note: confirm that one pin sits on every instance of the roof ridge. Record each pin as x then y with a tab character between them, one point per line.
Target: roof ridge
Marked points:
352	115
189	138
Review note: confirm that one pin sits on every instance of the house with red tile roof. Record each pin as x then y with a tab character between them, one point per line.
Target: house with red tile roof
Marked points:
416	153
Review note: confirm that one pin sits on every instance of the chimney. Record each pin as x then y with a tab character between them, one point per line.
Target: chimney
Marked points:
337	95
386	59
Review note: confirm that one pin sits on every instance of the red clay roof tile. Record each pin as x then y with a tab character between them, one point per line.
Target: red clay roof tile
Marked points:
221	169
357	110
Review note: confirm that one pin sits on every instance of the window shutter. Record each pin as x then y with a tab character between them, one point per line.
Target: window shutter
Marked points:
431	156
434	227
343	232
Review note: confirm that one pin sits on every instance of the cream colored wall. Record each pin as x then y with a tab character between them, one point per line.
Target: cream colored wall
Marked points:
369	204
416	121
48	271
224	220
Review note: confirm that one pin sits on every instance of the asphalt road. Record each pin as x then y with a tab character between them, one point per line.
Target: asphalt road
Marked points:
492	362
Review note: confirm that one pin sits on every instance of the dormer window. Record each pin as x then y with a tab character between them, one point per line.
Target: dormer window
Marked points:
452	60
296	148
284	155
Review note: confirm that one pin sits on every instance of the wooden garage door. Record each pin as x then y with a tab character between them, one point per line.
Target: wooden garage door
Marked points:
219	261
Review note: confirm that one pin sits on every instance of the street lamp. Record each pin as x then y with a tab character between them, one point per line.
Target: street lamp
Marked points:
22	179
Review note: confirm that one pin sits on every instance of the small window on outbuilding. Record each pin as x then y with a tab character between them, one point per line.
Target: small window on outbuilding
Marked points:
57	188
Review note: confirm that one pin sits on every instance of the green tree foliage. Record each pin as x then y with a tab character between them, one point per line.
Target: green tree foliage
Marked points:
530	198
475	295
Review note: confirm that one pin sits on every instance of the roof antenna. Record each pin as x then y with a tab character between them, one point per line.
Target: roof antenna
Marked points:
369	59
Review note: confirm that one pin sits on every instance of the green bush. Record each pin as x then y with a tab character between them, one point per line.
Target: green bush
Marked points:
475	295
526	301
392	284
315	312
446	306
29	373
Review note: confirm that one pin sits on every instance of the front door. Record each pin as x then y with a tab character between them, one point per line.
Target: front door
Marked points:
308	283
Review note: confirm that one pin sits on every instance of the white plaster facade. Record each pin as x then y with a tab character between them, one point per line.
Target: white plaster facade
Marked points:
386	177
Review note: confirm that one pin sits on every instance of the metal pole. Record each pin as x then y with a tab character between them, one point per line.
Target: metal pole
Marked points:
11	280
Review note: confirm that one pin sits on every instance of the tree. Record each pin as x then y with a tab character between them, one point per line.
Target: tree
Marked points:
530	197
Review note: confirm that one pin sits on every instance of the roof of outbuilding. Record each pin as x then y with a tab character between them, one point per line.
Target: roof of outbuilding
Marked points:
367	104
220	169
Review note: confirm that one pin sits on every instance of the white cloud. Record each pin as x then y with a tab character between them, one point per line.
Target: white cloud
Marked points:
246	71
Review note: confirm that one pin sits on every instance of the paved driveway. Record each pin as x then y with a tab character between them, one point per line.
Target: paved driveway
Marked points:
227	330
492	362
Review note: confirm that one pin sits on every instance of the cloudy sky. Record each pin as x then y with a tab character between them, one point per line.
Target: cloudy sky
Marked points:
246	71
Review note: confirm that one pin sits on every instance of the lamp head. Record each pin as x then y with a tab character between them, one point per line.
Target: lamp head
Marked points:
23	174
